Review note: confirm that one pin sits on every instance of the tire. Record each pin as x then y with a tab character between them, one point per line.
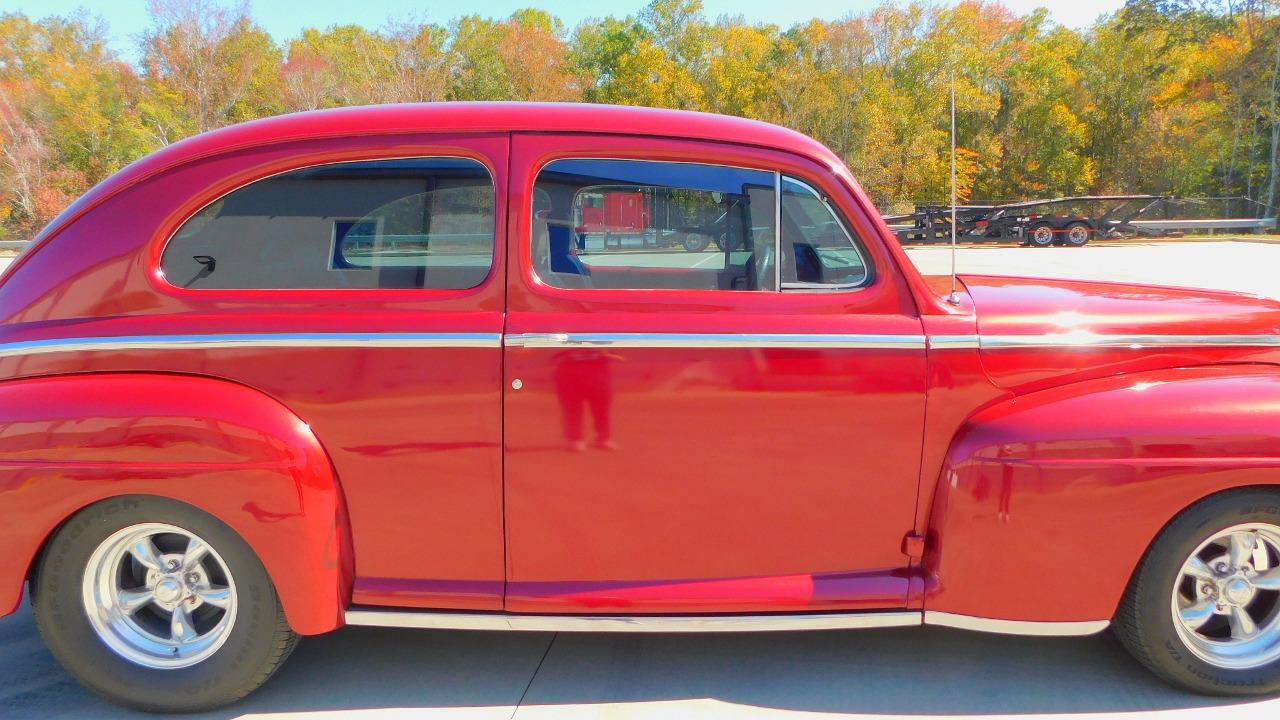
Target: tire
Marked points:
238	636
1040	235
695	242
1078	234
1209	659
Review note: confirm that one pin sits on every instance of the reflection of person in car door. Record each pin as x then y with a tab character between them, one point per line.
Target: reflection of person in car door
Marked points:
584	379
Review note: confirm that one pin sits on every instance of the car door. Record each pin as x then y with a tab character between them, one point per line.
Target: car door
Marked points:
691	425
375	267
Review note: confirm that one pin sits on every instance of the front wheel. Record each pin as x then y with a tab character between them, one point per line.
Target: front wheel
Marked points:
156	605
1203	609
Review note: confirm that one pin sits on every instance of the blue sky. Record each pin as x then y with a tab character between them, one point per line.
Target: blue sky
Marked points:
283	19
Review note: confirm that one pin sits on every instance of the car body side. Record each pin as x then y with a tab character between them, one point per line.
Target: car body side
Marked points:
1047	464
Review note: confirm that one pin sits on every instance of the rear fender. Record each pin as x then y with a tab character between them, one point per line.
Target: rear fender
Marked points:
1047	501
69	441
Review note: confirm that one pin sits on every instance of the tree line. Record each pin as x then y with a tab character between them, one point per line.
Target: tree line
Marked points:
1163	96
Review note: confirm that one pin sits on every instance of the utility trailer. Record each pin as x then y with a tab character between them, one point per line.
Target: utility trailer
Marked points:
1072	221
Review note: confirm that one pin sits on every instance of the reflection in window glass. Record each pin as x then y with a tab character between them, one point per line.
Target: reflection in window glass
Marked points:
640	224
816	248
415	223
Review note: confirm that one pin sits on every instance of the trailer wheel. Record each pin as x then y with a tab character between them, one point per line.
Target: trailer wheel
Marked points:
1078	234
1040	235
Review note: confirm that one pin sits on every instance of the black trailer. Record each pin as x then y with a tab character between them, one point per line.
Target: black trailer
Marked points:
1072	221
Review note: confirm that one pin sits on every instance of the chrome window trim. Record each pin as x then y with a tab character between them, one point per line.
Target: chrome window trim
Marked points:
1015	627
251	340
715	340
777	231
1090	340
855	242
437	620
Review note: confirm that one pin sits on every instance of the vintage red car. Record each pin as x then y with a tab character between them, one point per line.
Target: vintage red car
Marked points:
360	367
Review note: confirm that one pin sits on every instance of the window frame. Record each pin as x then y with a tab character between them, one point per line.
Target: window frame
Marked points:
778	288
162	282
852	237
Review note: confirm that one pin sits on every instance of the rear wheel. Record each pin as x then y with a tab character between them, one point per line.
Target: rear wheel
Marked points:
1203	608
1040	235
695	242
159	606
1078	234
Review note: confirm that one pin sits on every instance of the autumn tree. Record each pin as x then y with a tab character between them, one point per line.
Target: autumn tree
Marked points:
207	65
1162	96
68	116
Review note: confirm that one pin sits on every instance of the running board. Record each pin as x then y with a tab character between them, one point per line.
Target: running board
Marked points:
443	620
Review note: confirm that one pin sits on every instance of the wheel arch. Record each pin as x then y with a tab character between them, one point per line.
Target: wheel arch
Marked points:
70	441
1048	501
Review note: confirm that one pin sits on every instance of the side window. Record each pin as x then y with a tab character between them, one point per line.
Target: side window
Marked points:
636	224
817	250
416	223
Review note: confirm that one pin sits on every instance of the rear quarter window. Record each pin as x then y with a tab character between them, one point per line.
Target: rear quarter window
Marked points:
412	223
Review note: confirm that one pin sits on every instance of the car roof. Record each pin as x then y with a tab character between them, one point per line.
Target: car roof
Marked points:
373	120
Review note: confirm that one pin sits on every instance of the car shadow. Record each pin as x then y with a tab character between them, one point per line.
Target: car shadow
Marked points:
911	671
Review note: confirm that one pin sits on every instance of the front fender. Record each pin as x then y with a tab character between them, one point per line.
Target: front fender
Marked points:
1048	501
69	441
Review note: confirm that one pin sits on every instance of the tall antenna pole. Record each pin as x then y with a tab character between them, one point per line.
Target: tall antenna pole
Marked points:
954	297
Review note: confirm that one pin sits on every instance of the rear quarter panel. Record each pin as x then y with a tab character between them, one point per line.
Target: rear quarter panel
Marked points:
69	441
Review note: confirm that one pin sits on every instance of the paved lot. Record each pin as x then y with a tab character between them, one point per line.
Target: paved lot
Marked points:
1252	267
372	673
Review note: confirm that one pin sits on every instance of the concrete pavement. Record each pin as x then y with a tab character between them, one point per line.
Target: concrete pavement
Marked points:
1252	267
371	674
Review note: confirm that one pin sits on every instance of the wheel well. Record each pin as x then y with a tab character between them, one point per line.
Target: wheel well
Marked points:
1243	489
33	567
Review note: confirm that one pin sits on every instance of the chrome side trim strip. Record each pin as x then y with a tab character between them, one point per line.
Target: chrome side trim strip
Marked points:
1091	340
252	340
953	342
715	340
1015	627
443	620
632	623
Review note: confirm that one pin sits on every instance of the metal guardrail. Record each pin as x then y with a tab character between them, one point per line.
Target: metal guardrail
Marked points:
13	244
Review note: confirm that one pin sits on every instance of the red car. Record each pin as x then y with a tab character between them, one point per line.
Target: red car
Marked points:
347	368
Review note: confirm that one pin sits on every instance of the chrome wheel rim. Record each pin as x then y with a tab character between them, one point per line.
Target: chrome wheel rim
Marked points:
1043	235
1226	600
159	596
1078	235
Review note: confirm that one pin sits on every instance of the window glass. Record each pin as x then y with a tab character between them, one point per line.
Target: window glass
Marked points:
653	225
817	250
416	223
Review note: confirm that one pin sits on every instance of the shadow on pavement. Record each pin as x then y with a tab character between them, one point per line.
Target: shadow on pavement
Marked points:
890	672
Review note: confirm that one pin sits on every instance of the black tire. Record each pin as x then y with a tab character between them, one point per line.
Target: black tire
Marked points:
257	642
1144	622
1041	235
1077	234
695	242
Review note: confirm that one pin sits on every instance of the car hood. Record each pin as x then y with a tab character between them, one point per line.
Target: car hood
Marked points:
1040	332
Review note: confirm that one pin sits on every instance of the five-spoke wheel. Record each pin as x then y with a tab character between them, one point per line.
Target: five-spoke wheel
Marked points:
159	596
1203	609
158	605
1225	599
